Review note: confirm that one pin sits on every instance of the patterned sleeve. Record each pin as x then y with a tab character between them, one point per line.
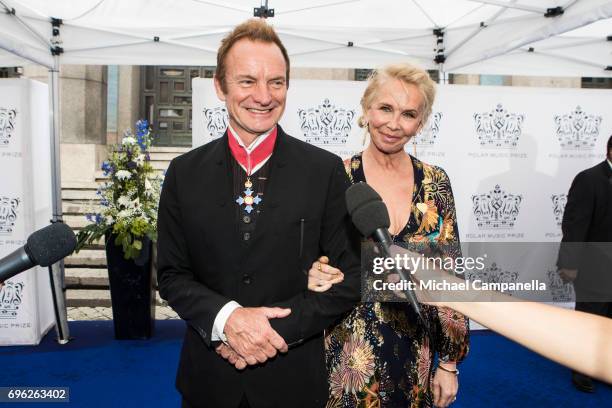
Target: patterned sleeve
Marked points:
451	329
347	167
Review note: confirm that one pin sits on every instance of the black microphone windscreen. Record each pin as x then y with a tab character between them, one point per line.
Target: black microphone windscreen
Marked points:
359	194
370	217
51	244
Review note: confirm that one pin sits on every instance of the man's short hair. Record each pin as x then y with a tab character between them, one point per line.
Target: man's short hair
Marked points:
609	144
253	30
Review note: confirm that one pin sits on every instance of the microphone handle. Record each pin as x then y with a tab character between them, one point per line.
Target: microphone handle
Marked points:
382	236
14	263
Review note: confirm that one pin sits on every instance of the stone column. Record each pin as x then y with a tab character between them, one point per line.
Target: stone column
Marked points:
466	79
128	101
82	118
323	73
547	82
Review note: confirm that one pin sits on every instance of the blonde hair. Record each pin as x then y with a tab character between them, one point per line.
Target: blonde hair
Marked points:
408	74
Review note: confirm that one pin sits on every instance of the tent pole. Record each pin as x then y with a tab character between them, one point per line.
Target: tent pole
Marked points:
56	271
442	75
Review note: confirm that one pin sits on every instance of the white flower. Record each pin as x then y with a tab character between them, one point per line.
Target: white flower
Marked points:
139	159
128	140
123	174
124	201
124	214
109	219
148	185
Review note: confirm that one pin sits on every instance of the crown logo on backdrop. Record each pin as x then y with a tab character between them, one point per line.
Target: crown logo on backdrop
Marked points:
496	209
10	299
217	121
8	214
493	274
577	129
559	201
7	125
560	292
427	136
326	124
499	128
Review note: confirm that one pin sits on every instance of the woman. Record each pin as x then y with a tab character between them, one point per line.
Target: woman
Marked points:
380	355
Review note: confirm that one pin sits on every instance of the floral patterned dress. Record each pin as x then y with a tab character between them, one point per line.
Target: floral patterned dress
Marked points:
380	355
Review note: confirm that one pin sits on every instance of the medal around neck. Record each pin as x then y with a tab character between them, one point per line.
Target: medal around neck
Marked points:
248	200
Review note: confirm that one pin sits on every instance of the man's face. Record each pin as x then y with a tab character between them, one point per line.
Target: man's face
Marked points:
256	87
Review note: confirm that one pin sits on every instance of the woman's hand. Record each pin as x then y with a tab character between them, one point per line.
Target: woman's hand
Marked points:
323	276
445	386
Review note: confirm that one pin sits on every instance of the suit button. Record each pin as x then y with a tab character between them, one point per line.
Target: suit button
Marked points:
246	219
246	236
246	279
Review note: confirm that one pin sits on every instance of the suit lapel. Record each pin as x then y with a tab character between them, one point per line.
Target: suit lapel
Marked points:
219	191
280	176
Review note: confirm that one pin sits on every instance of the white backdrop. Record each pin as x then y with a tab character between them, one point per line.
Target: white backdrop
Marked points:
516	149
26	311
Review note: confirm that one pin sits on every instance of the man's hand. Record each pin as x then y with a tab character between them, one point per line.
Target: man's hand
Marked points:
568	275
322	276
230	355
249	333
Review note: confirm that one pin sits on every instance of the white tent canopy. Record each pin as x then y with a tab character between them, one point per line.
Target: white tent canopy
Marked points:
476	36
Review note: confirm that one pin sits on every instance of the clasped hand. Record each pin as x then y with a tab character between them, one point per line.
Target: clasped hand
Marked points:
250	337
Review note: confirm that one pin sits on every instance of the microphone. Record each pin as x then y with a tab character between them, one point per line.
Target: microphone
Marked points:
43	247
369	214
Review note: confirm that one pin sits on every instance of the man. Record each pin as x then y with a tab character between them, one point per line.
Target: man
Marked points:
240	221
586	256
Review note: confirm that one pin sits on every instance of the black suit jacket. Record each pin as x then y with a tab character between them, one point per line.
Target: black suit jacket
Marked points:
203	262
587	231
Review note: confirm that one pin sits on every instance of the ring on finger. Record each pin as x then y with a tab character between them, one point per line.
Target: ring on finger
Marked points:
319	267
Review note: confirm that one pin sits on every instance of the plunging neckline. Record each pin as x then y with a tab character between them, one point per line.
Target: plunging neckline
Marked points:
402	231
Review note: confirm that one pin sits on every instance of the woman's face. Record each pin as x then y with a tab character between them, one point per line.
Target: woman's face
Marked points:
395	115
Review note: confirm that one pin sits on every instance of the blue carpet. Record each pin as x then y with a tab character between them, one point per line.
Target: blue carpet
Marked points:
103	372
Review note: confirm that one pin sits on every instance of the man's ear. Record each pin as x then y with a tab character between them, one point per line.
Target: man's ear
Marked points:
219	90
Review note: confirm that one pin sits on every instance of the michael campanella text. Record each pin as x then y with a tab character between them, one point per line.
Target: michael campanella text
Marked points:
476	284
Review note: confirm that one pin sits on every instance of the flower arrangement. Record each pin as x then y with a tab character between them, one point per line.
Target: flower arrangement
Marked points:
130	198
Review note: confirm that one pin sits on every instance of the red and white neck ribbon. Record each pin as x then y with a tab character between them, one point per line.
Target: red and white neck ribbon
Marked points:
252	158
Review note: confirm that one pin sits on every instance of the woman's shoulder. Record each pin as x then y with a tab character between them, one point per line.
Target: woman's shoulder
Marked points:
352	164
428	169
